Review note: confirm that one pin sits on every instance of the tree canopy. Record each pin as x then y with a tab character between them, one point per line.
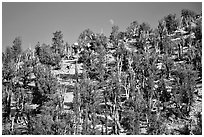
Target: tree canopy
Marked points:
134	82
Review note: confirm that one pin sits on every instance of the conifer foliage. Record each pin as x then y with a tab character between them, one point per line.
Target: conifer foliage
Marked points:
134	82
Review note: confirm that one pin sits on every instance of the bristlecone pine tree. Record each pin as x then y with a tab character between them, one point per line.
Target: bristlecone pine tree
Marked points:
134	82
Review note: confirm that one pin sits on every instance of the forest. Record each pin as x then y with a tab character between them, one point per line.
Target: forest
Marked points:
140	81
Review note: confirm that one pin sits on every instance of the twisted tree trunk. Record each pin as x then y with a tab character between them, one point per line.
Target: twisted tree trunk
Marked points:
76	103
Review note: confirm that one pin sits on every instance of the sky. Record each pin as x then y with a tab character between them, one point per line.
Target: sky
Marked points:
36	22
